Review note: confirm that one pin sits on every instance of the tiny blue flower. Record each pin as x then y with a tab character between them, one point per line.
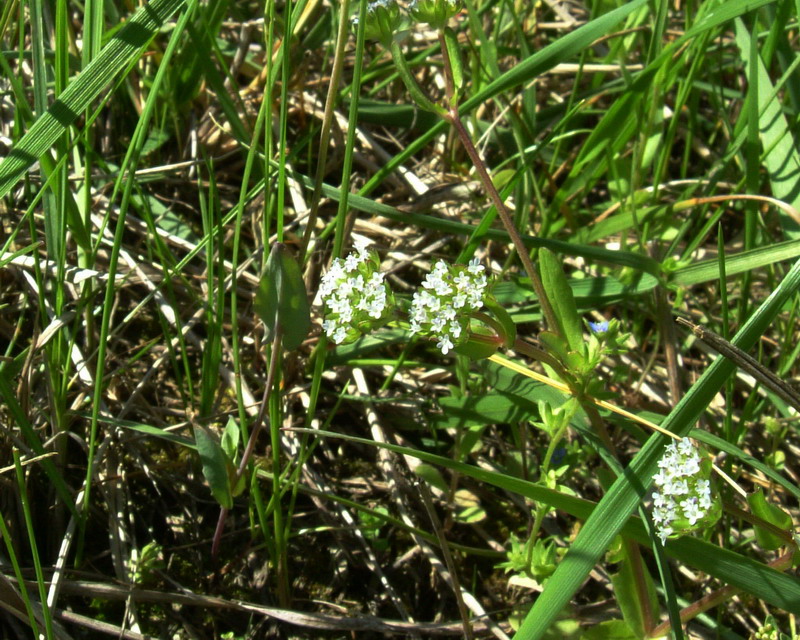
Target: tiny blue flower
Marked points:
599	327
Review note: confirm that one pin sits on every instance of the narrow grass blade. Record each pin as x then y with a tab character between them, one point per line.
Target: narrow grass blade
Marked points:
116	56
708	270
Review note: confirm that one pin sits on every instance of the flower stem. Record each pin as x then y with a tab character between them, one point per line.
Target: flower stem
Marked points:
454	118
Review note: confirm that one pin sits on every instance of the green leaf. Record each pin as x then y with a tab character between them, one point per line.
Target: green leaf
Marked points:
489	408
591	292
478	346
454	53
781	158
770	513
508	325
230	438
558	290
281	299
432	476
708	270
512	399
215	466
121	51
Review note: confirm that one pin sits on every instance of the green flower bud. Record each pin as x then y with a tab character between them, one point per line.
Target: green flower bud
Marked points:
384	22
434	12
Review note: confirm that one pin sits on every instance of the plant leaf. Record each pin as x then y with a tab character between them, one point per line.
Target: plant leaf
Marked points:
780	149
215	466
281	298
557	287
770	513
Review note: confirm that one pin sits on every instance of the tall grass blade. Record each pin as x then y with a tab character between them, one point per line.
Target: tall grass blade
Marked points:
124	48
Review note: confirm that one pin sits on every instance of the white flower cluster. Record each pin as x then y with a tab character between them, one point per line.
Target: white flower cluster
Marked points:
441	307
683	494
354	294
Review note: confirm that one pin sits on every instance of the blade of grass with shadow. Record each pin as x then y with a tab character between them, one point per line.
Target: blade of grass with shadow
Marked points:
708	270
124	48
780	156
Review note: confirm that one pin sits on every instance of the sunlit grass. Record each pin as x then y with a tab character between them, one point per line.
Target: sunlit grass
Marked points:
646	155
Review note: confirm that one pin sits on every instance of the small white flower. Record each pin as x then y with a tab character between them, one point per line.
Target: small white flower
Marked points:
677	488
684	447
662	478
328	326
445	344
351	262
360	244
690	466
475	267
339	335
691	510
462	281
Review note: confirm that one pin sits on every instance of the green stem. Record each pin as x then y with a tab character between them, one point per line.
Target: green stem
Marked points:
536	280
327	125
454	118
542	509
417	94
251	443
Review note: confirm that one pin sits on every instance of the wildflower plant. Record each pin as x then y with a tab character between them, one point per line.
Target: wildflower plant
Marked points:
682	501
443	306
605	339
355	297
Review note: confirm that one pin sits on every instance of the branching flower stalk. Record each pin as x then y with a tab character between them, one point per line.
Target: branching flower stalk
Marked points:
389	26
451	115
